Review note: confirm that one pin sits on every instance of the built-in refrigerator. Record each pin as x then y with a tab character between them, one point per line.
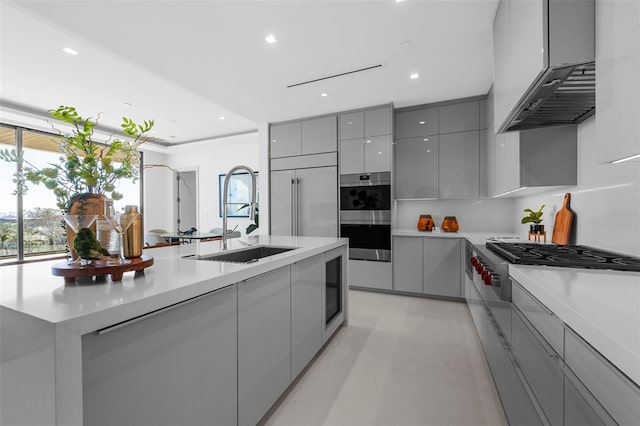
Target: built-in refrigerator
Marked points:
304	202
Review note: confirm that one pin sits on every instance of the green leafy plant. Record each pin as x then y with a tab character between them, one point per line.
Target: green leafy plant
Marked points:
533	217
85	165
254	225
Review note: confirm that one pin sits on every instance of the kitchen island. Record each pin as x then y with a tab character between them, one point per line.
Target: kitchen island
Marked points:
190	339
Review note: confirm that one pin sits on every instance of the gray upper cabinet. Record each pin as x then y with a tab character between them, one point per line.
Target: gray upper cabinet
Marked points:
459	165
315	136
460	117
319	135
421	122
352	125
286	139
351	156
377	154
416	170
377	122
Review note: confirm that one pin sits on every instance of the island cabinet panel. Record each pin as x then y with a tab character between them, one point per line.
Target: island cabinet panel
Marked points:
416	170
441	266
264	343
175	366
306	312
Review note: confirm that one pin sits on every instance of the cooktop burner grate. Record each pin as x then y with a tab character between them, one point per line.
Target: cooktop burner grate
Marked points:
566	256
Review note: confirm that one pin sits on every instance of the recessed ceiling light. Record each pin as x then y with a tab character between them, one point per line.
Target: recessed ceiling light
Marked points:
222	117
399	1
349	122
425	139
70	51
423	122
324	95
126	104
270	39
414	76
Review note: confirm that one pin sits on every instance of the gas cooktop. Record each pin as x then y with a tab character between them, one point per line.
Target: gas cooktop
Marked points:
567	256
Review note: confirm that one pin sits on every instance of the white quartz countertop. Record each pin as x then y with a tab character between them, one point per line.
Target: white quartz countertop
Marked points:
83	307
473	237
602	306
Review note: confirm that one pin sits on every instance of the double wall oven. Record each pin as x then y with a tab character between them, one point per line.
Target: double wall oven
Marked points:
365	215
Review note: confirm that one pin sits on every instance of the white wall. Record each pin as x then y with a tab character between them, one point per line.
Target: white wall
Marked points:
606	201
491	215
210	159
157	205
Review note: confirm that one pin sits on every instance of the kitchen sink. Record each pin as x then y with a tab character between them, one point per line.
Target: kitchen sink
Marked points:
247	255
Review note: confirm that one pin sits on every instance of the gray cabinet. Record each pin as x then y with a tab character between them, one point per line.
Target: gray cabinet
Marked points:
407	265
319	135
314	136
306	312
459	117
459	165
428	265
361	124
377	154
352	125
414	123
580	408
285	140
442	266
535	158
416	171
177	366
304	202
351	156
264	343
541	365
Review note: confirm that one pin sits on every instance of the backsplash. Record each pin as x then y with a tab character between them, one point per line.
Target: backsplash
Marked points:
487	215
606	201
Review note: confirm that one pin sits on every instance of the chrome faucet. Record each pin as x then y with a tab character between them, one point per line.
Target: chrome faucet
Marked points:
252	207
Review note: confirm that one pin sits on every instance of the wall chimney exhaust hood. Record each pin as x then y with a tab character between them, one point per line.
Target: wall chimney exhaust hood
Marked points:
544	63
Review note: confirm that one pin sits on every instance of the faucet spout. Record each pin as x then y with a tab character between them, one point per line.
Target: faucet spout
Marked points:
252	207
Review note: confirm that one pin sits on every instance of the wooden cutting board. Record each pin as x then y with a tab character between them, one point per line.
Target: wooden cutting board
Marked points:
562	225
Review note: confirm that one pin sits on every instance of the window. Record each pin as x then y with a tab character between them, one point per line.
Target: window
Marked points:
35	213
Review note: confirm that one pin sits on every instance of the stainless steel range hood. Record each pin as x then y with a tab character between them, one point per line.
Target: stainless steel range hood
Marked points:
565	90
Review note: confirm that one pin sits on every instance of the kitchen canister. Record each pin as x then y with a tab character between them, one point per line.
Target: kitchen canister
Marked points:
132	239
105	234
425	223
450	224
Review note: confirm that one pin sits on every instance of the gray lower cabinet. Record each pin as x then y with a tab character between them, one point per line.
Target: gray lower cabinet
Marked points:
407	265
306	312
177	366
459	165
264	343
416	167
427	265
580	408
441	266
541	366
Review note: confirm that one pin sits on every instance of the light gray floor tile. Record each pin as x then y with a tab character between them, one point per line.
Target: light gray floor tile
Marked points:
401	361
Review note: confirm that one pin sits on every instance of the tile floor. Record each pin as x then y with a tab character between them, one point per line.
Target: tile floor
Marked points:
401	361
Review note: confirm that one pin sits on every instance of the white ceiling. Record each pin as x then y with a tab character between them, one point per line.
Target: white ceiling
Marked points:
186	63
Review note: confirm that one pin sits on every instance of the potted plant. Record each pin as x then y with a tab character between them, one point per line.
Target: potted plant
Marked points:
87	171
534	218
86	166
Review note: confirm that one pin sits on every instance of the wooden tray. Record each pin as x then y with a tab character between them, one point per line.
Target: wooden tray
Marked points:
100	267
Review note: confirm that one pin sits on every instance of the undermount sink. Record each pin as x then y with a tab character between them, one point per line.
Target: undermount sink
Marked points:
247	255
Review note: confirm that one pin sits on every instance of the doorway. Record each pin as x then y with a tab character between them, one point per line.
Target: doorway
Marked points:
186	200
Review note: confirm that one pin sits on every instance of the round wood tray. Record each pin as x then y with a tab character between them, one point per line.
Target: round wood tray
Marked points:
100	267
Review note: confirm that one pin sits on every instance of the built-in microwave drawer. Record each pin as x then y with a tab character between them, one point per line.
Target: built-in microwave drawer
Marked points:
618	394
545	321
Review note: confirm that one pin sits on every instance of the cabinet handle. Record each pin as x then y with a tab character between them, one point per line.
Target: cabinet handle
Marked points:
131	321
297	205
292	205
536	334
